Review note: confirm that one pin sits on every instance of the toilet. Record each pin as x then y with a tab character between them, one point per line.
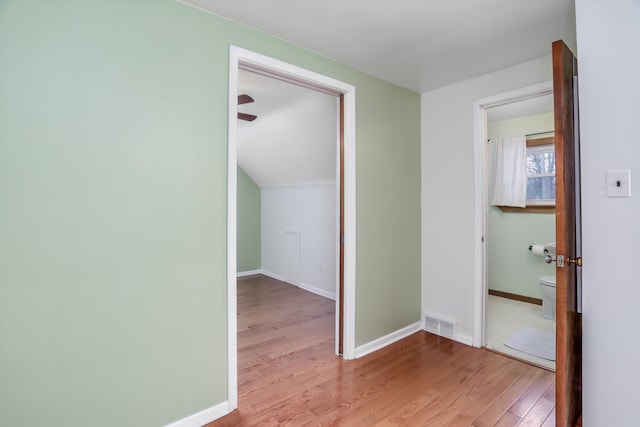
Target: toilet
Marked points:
548	288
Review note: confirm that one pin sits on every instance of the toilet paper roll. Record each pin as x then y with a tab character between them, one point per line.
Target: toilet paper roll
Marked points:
538	250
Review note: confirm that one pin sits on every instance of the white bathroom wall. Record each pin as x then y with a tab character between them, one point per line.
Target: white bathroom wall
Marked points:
309	210
448	188
524	125
608	63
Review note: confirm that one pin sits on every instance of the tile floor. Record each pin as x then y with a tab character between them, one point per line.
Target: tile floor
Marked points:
506	316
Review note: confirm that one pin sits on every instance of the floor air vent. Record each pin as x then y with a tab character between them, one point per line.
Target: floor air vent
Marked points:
440	325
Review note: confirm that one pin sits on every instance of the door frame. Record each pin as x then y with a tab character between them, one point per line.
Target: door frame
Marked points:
252	61
480	285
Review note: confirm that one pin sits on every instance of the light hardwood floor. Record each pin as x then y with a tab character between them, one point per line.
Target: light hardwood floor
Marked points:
288	373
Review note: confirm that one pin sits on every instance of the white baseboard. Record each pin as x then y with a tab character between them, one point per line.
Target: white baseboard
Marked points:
461	338
272	275
464	339
203	417
312	289
248	273
318	291
384	341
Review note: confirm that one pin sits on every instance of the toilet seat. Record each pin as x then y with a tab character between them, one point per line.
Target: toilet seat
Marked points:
548	280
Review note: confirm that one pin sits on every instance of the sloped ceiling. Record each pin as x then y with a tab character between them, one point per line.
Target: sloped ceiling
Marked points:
293	140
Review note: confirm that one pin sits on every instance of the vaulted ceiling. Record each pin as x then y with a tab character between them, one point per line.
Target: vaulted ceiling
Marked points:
293	140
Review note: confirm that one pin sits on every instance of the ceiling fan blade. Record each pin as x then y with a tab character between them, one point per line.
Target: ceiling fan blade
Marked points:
244	99
247	117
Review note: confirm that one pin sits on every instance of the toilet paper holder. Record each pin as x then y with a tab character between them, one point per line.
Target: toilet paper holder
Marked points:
547	258
546	251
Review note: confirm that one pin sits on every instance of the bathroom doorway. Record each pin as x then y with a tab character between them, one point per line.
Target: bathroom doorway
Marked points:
515	239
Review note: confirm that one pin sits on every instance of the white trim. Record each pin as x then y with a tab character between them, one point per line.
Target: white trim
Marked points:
203	417
272	275
232	188
317	291
388	339
349	321
480	197
248	273
337	219
270	67
306	287
245	59
463	339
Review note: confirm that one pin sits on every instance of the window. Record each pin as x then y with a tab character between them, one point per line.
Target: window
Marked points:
541	175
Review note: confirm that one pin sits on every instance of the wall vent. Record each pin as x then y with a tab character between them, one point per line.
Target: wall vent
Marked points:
440	325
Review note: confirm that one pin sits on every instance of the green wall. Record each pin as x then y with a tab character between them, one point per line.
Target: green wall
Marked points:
248	228
388	210
511	266
113	166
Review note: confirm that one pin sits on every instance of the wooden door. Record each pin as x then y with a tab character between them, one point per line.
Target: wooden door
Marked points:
568	320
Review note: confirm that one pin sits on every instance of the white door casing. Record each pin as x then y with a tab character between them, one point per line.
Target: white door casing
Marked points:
480	286
245	59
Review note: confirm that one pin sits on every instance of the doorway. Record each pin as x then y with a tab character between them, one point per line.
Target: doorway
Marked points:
345	301
482	209
519	241
287	183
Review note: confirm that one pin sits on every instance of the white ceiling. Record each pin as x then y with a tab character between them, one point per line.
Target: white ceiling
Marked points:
293	140
417	44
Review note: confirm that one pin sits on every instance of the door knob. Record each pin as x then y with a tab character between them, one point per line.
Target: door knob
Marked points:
577	261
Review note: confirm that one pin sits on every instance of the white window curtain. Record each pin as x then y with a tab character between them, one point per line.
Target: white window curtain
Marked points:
508	176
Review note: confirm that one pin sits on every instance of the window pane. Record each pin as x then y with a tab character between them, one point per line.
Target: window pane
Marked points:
541	188
540	163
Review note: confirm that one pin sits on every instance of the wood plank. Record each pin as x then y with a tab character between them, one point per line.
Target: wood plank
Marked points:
534	142
401	388
515	297
469	391
539	413
289	374
551	420
533	393
500	406
387	385
508	420
529	209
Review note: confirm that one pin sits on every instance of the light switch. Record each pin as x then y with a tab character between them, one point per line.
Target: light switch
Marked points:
619	183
